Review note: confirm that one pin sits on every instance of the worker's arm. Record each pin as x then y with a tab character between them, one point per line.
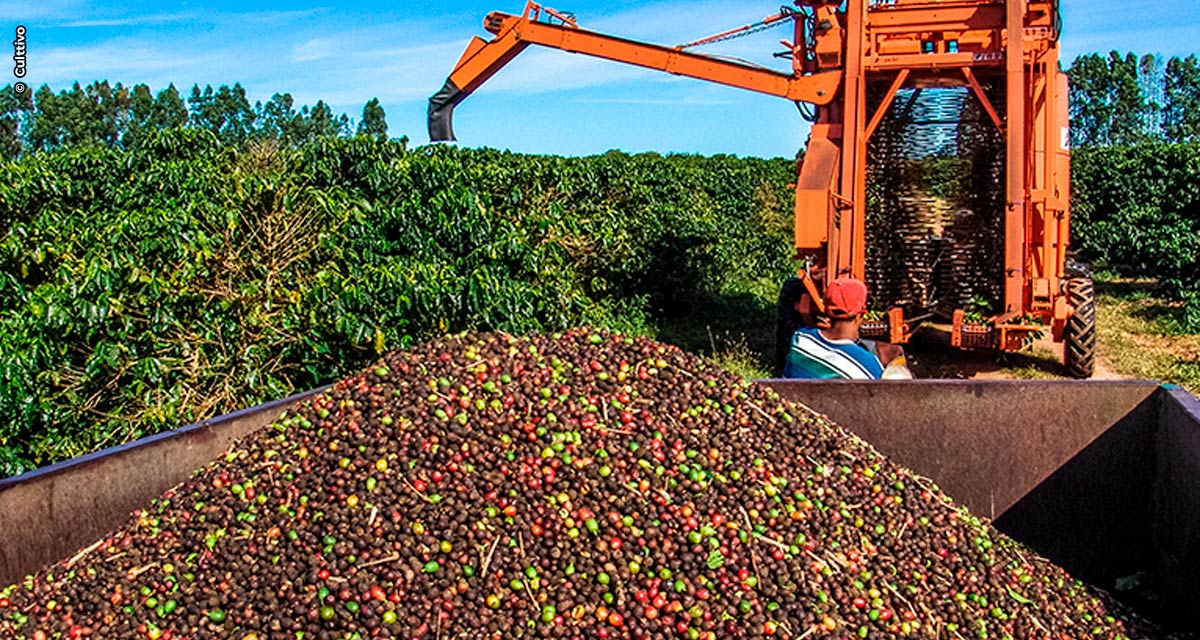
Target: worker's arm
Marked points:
888	353
513	34
892	357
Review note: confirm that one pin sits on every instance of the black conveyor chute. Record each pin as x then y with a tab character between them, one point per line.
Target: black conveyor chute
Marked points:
441	112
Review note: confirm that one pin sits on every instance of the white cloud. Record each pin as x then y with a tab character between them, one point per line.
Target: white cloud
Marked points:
687	100
114	60
314	49
353	76
23	11
273	17
161	18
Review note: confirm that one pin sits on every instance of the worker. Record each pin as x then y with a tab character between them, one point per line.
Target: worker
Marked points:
835	352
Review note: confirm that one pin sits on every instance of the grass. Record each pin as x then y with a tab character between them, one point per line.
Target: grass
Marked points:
1141	335
736	331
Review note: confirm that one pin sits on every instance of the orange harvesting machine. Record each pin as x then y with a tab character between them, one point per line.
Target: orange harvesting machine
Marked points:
938	168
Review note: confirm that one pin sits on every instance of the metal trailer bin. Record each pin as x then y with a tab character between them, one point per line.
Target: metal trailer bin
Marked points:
1101	477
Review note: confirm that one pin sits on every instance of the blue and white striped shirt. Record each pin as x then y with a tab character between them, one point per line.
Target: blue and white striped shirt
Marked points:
814	357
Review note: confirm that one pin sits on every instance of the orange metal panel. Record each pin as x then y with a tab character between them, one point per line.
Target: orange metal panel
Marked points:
1014	222
886	104
811	287
897	329
966	16
814	204
515	33
931	61
979	43
858	223
983	99
473	47
849	257
1062	178
830	47
1041	288
1058	324
956	328
480	63
1047	155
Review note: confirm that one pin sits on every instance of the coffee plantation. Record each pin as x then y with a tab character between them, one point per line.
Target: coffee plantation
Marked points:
144	289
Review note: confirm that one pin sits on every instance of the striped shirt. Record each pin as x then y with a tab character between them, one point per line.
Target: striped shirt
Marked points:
813	356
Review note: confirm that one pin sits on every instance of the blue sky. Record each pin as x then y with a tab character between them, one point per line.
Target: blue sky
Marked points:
544	102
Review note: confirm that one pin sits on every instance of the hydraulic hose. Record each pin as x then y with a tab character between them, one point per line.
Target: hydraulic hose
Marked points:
441	112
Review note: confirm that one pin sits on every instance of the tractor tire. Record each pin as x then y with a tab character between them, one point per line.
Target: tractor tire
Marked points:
787	321
1080	340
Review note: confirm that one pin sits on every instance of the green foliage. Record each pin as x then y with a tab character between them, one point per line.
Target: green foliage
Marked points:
225	112
168	111
82	116
1181	117
1123	99
147	288
14	108
374	120
1137	209
1135	123
119	116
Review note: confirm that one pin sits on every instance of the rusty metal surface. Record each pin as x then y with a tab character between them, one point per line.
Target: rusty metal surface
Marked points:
1177	503
1094	515
1103	478
50	513
1065	467
987	443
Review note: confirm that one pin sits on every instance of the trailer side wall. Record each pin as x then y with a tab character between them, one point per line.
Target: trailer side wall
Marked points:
1177	503
1101	477
49	514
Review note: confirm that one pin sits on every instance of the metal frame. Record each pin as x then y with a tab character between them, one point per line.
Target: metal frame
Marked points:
838	56
52	512
513	34
918	43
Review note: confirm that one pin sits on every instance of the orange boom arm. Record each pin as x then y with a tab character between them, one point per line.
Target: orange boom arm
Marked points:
514	33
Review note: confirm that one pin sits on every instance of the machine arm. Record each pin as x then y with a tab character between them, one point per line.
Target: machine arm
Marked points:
513	34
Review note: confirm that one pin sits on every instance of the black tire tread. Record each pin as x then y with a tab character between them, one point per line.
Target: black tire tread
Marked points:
1080	338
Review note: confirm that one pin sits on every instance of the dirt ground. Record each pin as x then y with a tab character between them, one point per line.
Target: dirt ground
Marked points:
1139	331
930	356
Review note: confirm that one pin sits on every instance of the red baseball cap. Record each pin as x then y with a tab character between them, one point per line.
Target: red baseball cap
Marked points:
845	298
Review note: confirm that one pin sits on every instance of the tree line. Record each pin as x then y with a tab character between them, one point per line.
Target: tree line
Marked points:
101	113
1118	99
1128	100
1136	127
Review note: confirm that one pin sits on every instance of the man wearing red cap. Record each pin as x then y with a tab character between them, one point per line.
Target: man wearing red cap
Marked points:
835	352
